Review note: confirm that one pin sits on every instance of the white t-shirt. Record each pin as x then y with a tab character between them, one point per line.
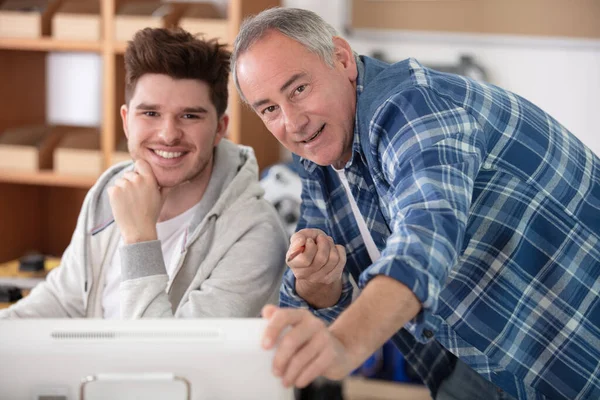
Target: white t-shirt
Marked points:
171	234
360	220
362	227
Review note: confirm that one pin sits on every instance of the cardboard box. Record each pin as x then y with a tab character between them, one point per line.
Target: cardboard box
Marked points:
77	20
26	18
28	148
204	19
133	15
78	153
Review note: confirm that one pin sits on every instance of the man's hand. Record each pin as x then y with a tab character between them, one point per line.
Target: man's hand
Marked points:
318	268
307	350
136	201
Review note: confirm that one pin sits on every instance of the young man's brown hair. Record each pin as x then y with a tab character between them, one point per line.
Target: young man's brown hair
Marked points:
180	55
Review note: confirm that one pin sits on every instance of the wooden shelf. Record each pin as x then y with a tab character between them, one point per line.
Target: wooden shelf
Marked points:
47	178
49	44
120	47
357	388
545	18
50	200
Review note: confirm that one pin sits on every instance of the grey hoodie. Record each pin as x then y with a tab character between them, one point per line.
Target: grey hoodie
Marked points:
229	266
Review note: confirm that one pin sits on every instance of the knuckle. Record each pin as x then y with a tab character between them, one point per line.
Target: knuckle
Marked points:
321	364
317	325
301	273
288	343
302	382
278	363
322	338
294	366
319	259
279	314
306	314
334	257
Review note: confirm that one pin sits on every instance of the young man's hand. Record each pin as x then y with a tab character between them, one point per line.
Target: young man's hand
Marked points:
136	202
317	263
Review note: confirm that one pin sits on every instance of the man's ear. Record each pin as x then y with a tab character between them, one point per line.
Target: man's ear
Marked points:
221	128
124	119
345	56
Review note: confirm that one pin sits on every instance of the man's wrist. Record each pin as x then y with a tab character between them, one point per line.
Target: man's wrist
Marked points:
383	307
139	237
319	295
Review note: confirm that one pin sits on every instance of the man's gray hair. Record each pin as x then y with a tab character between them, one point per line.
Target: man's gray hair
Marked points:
303	26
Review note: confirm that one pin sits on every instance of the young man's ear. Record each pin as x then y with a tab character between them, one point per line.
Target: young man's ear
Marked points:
345	56
124	119
221	128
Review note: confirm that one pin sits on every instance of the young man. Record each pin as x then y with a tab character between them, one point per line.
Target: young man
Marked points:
184	231
469	217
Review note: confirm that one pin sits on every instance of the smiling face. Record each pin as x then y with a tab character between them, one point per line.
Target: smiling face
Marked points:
307	105
173	125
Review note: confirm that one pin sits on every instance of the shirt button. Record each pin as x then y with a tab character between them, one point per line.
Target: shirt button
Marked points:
427	334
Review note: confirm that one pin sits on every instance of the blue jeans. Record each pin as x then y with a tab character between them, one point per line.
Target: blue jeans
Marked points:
466	384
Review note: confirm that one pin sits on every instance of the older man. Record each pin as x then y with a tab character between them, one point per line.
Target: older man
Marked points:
469	217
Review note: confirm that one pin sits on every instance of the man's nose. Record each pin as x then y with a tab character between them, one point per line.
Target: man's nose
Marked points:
295	120
170	132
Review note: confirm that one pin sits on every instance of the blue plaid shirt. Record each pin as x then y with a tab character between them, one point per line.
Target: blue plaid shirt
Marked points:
489	210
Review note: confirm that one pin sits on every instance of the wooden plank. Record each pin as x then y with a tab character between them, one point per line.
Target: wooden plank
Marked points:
60	209
119	100
20	213
556	18
46	178
371	389
107	144
49	44
23	88
452	16
245	127
562	18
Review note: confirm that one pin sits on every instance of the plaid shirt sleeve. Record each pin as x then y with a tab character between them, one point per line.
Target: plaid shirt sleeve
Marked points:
429	151
289	298
312	217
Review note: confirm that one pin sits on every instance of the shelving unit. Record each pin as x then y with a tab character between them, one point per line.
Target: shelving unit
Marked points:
49	44
38	210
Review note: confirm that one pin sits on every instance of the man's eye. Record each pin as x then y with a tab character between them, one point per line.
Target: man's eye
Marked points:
190	116
150	113
300	89
269	109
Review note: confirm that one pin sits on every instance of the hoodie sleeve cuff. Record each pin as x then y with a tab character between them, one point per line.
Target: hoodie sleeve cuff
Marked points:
141	259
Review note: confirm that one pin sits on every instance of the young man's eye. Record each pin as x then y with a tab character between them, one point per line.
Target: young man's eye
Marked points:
190	116
268	110
150	113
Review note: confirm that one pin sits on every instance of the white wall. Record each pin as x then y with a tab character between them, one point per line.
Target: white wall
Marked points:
562	76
